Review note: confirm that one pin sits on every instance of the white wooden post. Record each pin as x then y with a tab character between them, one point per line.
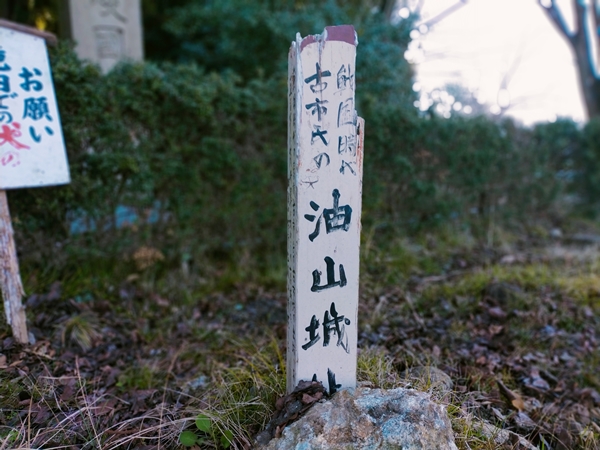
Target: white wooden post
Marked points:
324	206
32	150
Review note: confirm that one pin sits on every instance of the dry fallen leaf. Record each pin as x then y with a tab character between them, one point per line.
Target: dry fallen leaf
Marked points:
495	329
291	407
518	403
514	399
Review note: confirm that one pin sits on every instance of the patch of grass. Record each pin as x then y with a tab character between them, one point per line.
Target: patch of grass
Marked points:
242	397
396	260
375	366
140	376
82	330
585	287
13	438
253	384
529	277
466	435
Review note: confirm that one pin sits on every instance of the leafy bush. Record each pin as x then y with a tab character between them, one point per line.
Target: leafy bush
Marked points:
587	167
475	172
194	150
167	140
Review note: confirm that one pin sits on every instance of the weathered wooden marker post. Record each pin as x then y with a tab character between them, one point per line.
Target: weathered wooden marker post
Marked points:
32	150
325	148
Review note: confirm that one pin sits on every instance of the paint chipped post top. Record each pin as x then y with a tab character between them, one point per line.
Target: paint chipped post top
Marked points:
324	206
32	149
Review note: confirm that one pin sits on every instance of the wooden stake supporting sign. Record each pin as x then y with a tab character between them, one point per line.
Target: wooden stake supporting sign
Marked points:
32	150
324	206
10	279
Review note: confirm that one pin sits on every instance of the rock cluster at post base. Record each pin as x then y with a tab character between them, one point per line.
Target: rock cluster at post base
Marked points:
365	418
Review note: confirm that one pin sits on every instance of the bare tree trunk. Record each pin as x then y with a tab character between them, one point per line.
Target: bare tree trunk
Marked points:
581	42
582	46
596	22
589	84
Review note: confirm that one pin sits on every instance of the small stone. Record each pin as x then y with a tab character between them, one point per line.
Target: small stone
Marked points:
365	418
524	422
429	377
504	438
496	312
556	233
198	383
490	431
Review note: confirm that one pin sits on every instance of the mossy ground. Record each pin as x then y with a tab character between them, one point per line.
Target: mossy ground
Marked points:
128	357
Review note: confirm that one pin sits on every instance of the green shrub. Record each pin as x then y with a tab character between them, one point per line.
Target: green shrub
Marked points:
195	154
166	138
587	165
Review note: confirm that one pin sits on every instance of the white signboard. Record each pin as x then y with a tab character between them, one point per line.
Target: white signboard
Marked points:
325	185
106	31
32	149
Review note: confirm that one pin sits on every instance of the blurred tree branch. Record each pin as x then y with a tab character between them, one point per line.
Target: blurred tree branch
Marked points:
445	13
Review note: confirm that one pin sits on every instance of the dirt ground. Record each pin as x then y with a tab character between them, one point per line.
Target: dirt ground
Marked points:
132	363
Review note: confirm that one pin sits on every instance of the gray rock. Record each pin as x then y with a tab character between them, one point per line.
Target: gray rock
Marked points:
365	418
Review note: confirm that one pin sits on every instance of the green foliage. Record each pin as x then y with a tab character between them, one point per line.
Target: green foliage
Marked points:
188	438
137	377
588	163
573	152
169	137
196	146
199	156
205	426
475	173
252	38
203	423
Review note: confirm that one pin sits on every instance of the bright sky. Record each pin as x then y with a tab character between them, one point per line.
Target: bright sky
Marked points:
480	43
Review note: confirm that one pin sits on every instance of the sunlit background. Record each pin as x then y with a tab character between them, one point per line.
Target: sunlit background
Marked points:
498	56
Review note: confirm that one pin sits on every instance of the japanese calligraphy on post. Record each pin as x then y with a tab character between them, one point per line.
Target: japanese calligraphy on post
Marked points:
32	150
324	207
